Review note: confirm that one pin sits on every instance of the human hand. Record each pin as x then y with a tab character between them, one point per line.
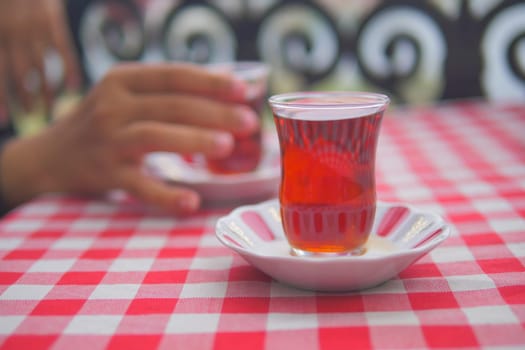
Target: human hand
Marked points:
29	30
134	110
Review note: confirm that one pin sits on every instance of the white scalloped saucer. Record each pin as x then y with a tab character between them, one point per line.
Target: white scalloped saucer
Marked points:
401	234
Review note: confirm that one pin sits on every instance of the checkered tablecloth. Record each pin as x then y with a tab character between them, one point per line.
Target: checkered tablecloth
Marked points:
91	274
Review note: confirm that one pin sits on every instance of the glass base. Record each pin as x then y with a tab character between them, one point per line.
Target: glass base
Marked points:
304	253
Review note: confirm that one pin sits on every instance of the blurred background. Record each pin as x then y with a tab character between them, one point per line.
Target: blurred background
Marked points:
418	52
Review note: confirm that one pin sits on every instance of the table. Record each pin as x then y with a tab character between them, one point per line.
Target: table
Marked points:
90	274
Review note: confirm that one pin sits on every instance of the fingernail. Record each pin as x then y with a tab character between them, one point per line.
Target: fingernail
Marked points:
248	120
238	89
223	143
189	203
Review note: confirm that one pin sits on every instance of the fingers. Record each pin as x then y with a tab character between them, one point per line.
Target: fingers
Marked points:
172	198
170	78
194	110
21	80
148	136
61	41
39	51
28	30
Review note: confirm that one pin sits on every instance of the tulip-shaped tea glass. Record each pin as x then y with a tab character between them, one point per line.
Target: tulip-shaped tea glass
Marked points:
328	144
247	150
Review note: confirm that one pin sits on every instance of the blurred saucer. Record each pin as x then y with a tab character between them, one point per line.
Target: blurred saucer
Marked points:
401	234
263	182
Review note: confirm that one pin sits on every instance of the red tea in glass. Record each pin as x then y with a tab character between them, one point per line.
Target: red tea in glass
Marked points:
328	145
247	150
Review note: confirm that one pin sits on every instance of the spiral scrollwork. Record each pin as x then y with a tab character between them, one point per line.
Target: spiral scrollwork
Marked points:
110	31
416	51
402	48
198	32
298	37
503	52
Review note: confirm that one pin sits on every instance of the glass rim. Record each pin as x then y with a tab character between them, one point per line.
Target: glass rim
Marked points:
247	69
368	100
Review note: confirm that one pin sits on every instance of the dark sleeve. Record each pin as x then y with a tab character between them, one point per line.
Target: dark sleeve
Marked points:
74	12
7	132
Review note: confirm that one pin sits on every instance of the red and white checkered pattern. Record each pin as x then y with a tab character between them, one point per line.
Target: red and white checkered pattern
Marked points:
85	274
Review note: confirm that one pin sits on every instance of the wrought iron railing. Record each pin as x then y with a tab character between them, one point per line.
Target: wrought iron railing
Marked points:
417	51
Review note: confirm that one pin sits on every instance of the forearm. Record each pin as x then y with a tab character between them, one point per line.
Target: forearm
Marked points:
23	170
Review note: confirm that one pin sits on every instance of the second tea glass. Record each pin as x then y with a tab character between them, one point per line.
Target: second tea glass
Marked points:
247	150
